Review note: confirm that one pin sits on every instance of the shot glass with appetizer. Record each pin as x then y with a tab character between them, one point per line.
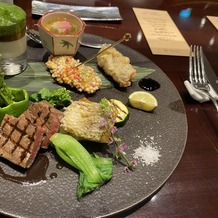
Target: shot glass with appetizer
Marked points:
61	32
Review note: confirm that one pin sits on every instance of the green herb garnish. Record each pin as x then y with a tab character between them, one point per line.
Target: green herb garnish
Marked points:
109	123
59	98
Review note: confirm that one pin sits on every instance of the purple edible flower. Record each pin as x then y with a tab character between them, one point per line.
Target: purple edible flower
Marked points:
126	169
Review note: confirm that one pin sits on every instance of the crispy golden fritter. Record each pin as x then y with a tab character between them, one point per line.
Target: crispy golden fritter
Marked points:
116	65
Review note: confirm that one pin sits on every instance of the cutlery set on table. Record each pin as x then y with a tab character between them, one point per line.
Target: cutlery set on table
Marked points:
203	82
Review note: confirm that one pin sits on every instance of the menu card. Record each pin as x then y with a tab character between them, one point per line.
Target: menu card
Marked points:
213	20
163	36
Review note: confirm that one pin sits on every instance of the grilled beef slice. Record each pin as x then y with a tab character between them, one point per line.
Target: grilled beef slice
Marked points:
46	116
22	137
20	140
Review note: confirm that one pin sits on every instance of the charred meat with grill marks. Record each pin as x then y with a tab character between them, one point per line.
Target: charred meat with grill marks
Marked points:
22	137
20	140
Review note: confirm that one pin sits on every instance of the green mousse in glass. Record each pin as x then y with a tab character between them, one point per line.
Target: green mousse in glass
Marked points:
12	22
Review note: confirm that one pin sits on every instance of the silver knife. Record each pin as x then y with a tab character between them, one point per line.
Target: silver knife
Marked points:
211	75
86	13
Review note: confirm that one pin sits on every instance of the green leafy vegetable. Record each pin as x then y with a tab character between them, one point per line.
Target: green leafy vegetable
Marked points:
59	97
94	170
13	101
6	97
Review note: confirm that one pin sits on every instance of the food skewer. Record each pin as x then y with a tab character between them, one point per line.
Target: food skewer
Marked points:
126	37
67	70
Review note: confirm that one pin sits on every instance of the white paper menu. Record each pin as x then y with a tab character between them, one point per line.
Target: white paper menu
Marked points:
161	33
213	20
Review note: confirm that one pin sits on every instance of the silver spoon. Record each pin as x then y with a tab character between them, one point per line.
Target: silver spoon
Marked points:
34	35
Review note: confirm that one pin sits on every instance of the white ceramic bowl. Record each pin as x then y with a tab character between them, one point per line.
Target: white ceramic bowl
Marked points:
58	43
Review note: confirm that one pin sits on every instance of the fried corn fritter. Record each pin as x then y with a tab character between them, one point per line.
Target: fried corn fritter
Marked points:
65	71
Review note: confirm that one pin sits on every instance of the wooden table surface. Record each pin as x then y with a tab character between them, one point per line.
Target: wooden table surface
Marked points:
192	190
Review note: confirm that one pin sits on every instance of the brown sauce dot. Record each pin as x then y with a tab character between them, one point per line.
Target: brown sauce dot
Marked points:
53	175
59	166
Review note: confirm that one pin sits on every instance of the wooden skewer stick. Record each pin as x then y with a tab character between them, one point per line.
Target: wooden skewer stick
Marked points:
126	37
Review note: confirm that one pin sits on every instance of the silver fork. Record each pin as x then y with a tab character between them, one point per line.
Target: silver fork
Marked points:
197	74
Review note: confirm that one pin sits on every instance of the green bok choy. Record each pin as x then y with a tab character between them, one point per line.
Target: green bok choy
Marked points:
94	170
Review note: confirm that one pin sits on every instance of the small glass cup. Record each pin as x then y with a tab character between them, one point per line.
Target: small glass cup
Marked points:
13	44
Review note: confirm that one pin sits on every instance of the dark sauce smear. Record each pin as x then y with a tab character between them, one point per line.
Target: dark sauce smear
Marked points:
149	84
36	173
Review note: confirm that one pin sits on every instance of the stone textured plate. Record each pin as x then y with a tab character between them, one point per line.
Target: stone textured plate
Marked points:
164	130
